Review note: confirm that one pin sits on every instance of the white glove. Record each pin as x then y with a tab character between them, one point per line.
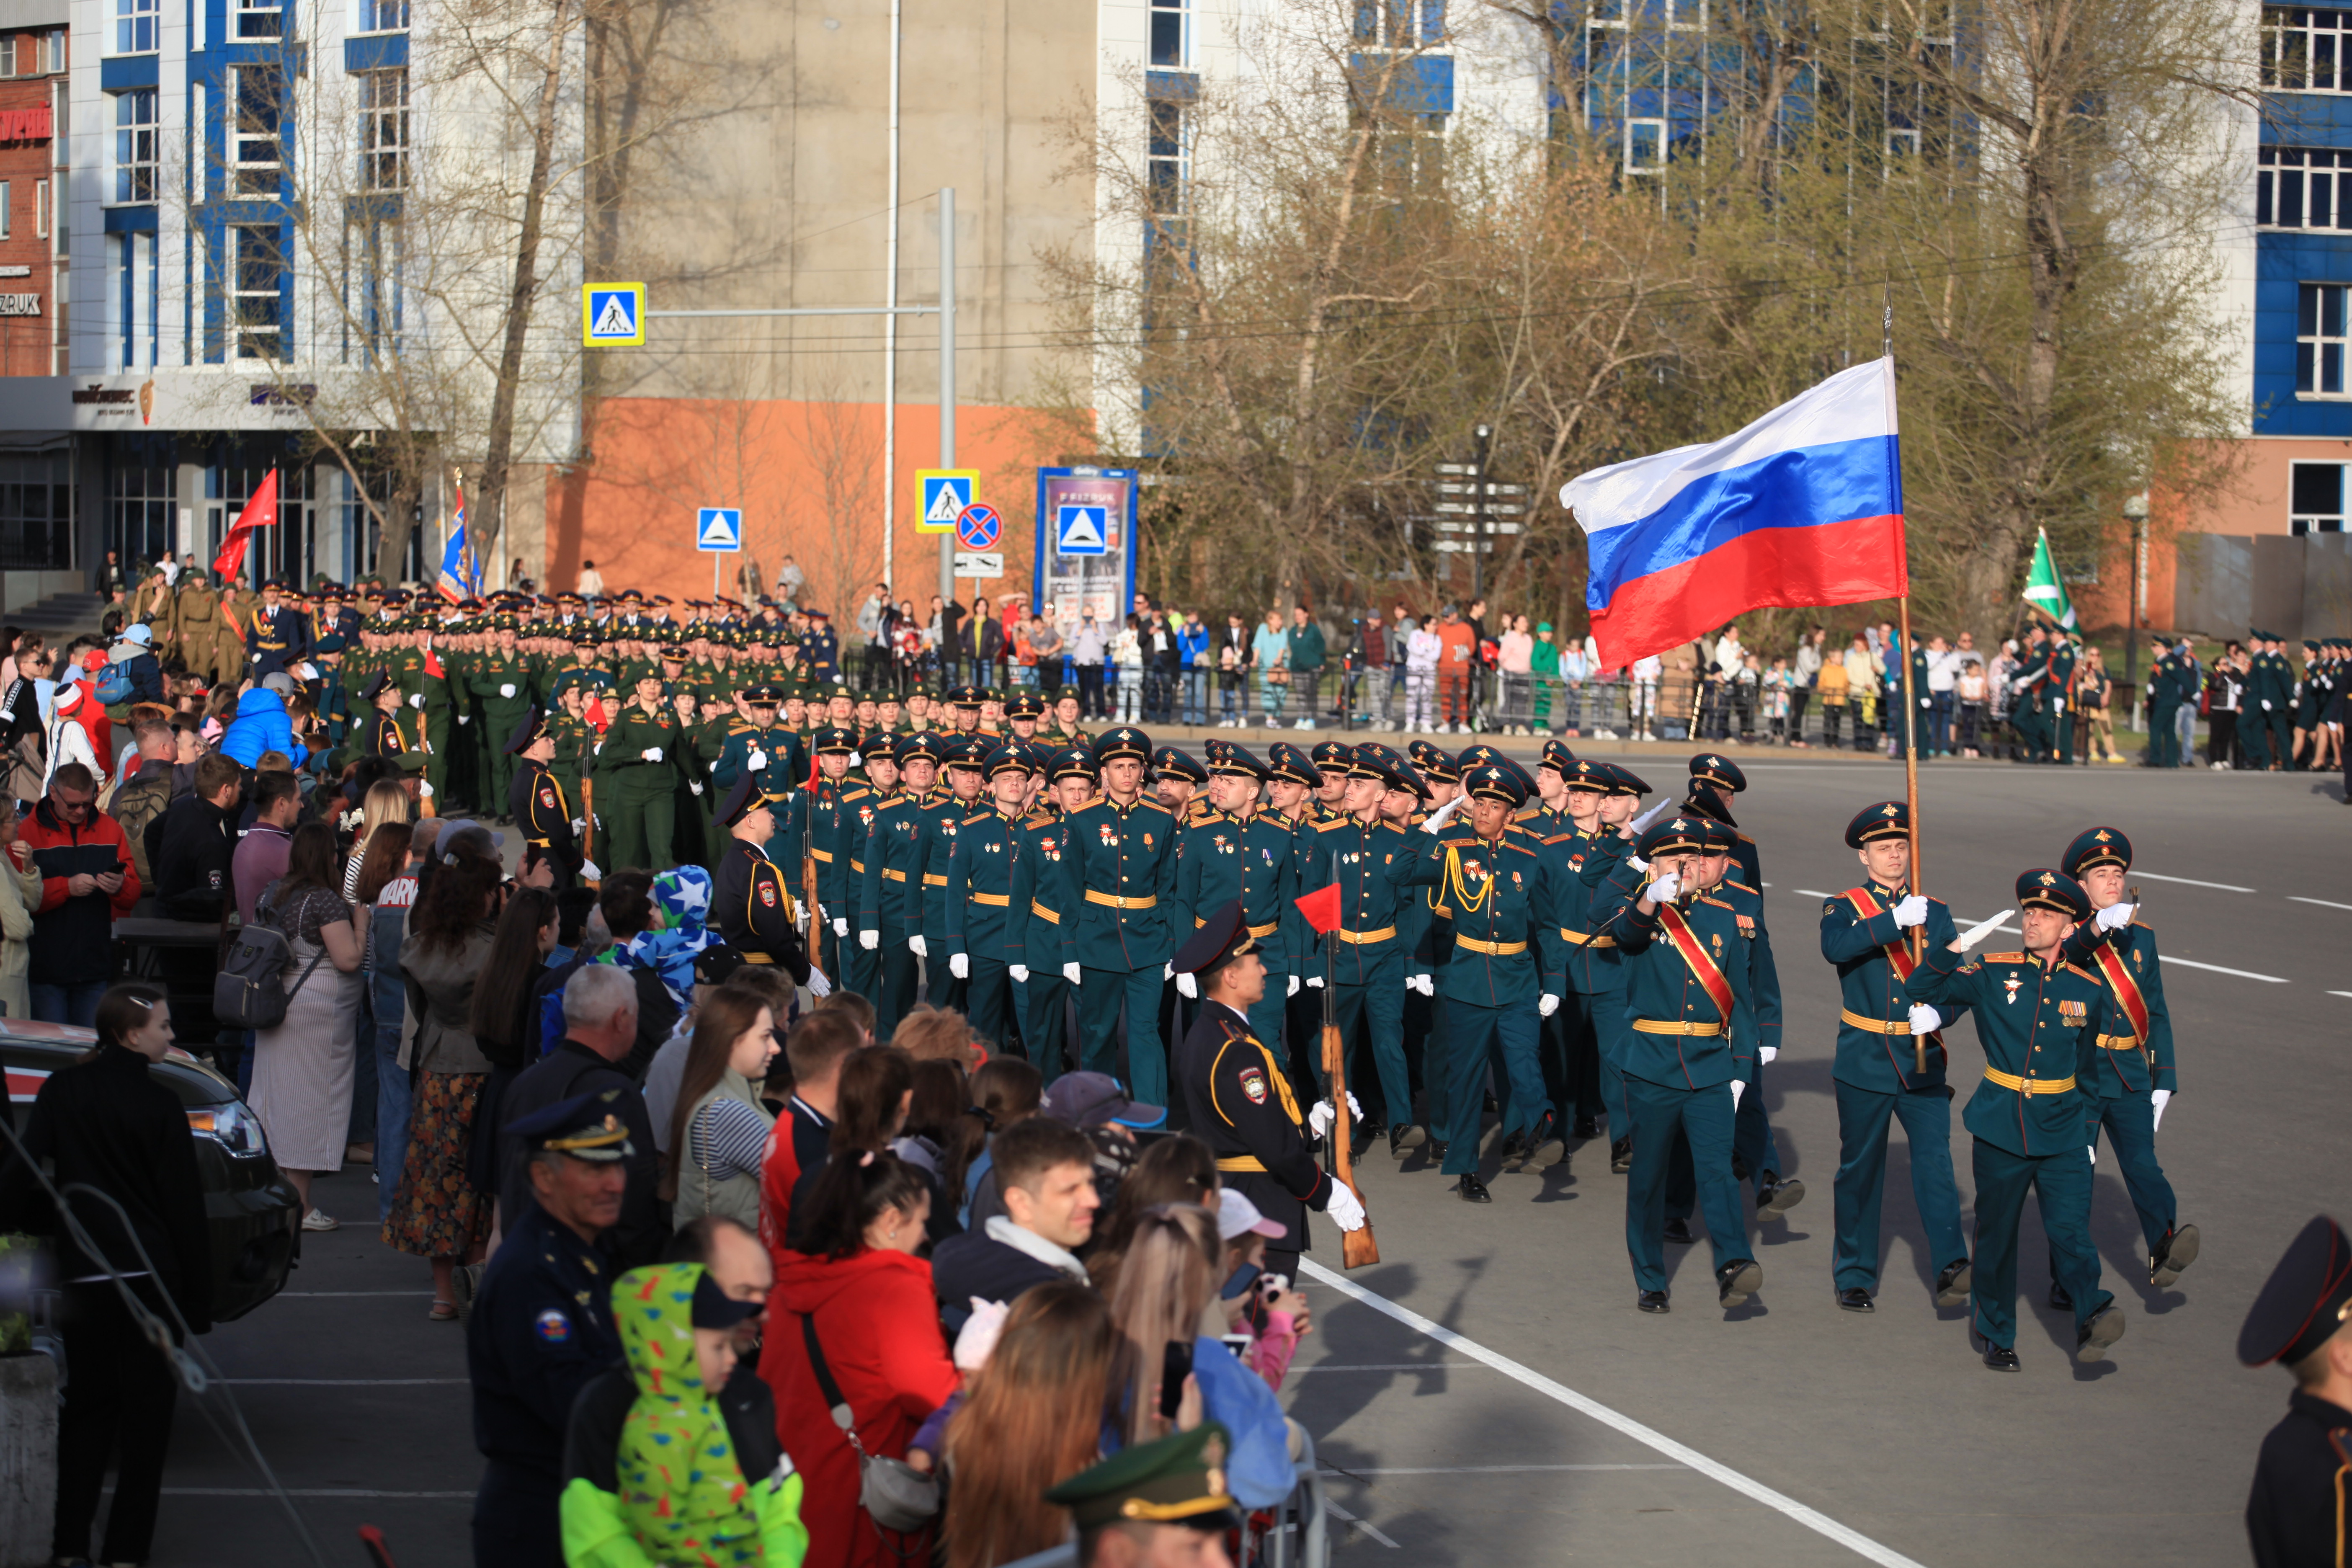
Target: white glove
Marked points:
869	940
651	753
1911	911
1188	986
960	965
1020	972
2159	1097
465	718
1925	1020
1927	703
579	825
1424	984
819	987
979	1334
590	871
841	926
1294	987
1168	971
1664	890
2266	704
425	789
2114	917
915	945
1354	1111
1738	1088
597	749
1981	930
1637	862
694	786
507	690
1767	1055
1345	1208
1316	981
1070	973
416	700
1319	1117
2092	1151
1442	815
1547	1005
758	761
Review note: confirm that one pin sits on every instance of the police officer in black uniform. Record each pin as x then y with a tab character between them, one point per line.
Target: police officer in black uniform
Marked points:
1238	1099
749	902
2296	1516
542	1328
536	800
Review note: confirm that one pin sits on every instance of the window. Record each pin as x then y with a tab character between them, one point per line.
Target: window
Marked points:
384	130
2304	187
134	26
141	512
1399	24
1168	27
383	16
2315	497
1165	166
1902	142
57	52
1646	146
7	188
35	512
258	19
2303	49
372	265
2319	344
40	210
134	145
258	286
8	55
255	148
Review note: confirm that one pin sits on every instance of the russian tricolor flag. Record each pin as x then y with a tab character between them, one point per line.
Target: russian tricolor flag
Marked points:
1804	507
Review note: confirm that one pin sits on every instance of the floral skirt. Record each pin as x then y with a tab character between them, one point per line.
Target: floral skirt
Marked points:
436	1211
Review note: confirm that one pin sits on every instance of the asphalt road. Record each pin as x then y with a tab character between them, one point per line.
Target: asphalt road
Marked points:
1488	1394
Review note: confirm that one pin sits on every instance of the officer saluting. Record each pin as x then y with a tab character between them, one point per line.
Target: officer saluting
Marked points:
1237	1096
542	1326
2296	1515
749	902
535	798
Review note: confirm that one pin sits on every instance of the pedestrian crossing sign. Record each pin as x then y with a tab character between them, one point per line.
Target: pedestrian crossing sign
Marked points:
947	492
1082	529
612	315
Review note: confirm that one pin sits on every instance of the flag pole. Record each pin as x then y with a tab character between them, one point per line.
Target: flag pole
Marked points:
1910	697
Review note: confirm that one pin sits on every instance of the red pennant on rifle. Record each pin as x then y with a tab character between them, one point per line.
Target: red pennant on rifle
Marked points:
1321	909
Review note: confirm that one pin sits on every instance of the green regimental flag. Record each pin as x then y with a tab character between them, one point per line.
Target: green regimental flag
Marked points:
2044	591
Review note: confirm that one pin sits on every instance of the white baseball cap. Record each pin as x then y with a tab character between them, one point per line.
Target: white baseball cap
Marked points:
1237	1217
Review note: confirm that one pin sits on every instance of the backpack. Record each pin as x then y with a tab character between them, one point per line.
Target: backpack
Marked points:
250	991
113	684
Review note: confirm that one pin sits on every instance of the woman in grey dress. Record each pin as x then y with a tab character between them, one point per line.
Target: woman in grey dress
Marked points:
302	1070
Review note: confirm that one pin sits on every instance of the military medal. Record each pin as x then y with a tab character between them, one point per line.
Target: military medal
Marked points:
2012	983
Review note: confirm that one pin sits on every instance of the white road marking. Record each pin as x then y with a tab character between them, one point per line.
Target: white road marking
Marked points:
1813	893
1395	1366
2323	903
2191	882
2241	973
2340	993
1344	1517
1810	1518
1495	1470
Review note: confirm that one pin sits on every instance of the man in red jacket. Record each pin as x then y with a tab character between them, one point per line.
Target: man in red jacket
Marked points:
1457	645
87	882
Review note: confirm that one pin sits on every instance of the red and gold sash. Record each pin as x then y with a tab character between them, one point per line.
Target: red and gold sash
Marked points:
1686	943
1898	952
2119	980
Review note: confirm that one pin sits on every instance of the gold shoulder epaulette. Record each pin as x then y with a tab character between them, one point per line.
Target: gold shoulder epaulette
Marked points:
1718	903
1328	824
2000	958
1561	838
1159	805
1743	887
2078	969
1457	842
1039	819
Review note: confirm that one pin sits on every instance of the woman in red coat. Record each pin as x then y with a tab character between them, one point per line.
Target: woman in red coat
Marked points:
877	1324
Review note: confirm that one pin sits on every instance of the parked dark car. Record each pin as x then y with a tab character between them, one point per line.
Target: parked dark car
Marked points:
251	1209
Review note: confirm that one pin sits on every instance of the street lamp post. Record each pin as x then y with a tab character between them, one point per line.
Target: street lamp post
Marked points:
1486	434
2136	513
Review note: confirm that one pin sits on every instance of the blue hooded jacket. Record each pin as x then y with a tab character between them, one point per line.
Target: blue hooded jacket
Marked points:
261	725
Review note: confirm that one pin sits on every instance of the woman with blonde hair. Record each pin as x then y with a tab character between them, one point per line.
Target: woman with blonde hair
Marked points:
1031	1415
385	802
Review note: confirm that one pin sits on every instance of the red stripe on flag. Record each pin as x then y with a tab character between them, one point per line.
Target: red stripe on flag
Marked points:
1794	568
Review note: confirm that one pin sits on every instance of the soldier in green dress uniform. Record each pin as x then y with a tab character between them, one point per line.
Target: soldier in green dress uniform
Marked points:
979	896
2027	1116
1034	946
638	765
500	677
1118	864
891	888
2299	1512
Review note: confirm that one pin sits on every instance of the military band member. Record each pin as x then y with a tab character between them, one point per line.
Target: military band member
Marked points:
1866	932
2027	1116
750	901
536	801
2134	1073
1692	1055
1118	863
2301	1505
980	920
1238	1098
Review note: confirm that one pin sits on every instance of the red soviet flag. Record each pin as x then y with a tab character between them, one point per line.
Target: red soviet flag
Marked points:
259	512
1321	909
